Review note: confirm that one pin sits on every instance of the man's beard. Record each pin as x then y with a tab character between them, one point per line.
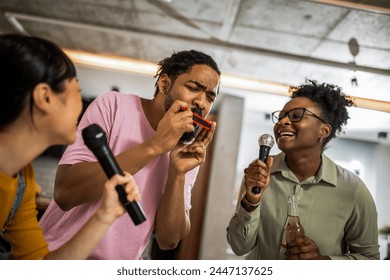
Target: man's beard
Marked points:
168	102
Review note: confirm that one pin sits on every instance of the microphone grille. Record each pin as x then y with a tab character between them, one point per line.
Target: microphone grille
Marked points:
266	140
94	136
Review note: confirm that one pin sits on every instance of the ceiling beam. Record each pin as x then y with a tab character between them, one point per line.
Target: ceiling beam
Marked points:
206	43
354	6
229	20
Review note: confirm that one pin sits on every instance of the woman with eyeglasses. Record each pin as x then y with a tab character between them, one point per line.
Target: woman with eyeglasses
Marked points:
335	207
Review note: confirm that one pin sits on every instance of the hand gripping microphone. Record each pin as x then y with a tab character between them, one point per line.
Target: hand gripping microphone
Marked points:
95	139
266	142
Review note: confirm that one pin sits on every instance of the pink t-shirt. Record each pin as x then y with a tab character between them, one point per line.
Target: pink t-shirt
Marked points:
122	118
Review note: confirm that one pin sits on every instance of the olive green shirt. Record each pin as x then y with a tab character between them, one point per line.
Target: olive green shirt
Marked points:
335	208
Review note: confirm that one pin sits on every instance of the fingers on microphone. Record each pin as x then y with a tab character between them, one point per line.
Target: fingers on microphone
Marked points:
264	173
127	175
132	194
131	188
117	180
270	161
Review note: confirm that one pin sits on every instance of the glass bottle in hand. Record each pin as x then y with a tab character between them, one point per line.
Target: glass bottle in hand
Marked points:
294	228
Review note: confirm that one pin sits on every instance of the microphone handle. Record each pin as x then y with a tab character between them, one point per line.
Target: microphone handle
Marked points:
263	155
264	152
110	166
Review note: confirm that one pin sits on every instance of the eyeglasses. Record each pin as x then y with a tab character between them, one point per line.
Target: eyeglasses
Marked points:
294	115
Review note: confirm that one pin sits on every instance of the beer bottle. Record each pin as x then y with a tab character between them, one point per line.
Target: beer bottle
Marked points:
294	228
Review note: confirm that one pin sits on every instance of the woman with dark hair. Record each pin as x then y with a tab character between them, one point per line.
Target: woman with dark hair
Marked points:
335	207
40	105
144	135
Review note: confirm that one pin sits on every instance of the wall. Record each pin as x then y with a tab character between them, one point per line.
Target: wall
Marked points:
95	82
382	162
223	167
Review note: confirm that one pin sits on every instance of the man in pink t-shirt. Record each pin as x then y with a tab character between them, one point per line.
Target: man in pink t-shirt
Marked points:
144	136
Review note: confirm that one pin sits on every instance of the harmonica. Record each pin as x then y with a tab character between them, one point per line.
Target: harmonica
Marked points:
198	119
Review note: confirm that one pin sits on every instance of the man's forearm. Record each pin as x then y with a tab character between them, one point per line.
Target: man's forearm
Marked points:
83	182
172	220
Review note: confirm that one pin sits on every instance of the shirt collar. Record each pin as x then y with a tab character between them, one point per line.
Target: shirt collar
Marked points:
327	171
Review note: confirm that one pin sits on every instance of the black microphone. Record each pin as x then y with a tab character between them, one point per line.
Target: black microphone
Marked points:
266	142
95	139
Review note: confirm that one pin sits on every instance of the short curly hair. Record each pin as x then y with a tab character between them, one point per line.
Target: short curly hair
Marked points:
182	62
332	102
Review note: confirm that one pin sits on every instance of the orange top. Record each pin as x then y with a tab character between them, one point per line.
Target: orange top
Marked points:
23	231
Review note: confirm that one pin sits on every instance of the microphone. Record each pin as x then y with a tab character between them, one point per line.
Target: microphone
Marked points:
266	142
95	139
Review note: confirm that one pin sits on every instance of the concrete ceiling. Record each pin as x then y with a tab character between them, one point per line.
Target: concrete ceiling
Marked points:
280	41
